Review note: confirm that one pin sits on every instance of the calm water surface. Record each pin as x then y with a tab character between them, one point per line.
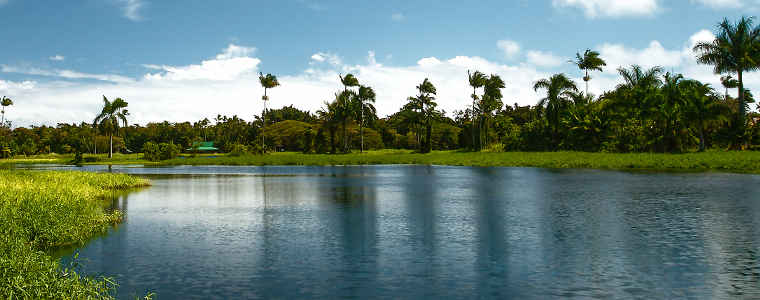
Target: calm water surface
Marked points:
433	232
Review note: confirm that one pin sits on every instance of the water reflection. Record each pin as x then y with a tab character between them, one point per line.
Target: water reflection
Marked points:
434	231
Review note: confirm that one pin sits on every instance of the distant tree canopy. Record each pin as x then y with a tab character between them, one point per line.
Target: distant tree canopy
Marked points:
651	111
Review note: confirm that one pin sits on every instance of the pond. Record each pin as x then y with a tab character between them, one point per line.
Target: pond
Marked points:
413	231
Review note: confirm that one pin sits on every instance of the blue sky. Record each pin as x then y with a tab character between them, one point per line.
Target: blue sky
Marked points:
194	59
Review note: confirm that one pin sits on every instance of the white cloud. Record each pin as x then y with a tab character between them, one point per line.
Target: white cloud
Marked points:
233	63
234	51
397	17
721	4
58	58
228	84
510	48
611	8
69	74
544	59
617	55
313	5
320	57
131	8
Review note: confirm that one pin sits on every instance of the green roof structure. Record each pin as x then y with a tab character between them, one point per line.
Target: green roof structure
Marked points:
204	146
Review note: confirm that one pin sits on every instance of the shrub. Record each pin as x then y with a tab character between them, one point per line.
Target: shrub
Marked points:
240	150
163	151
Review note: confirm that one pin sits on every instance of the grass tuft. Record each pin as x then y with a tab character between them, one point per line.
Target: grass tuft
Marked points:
47	209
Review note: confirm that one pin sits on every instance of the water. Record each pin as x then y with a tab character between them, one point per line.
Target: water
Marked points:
432	232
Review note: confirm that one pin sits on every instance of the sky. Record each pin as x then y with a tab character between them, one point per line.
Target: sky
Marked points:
188	60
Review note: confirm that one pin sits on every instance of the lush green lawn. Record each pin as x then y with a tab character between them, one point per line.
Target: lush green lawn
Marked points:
735	161
740	161
39	210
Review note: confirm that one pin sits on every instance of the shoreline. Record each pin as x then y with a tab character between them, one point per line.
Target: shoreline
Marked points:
714	160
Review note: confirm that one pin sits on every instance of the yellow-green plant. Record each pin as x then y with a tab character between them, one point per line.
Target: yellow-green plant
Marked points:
41	209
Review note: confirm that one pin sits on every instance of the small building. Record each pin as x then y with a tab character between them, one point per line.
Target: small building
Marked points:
204	147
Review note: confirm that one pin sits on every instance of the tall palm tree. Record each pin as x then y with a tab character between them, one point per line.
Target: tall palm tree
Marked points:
269	81
477	79
735	50
364	104
559	91
5	102
590	61
490	102
110	117
345	103
427	89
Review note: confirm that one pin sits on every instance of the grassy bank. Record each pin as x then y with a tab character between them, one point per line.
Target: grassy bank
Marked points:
45	209
736	161
740	161
67	159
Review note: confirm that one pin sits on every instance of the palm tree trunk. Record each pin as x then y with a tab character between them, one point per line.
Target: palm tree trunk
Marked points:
110	145
701	140
361	129
742	109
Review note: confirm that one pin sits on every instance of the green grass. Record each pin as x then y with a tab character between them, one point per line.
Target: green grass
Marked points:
738	161
40	210
89	159
734	161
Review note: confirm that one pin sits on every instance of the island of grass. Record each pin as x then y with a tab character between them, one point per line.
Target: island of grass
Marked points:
729	161
39	210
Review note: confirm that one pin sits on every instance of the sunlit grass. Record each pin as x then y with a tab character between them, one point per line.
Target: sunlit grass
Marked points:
46	209
740	161
88	159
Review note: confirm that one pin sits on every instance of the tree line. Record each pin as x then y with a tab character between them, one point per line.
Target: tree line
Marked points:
651	111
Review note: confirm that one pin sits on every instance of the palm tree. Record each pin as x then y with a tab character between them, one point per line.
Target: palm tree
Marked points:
559	91
490	102
477	79
427	89
329	116
420	111
345	104
701	105
5	102
269	81
364	104
639	89
589	61
735	50
729	82
109	118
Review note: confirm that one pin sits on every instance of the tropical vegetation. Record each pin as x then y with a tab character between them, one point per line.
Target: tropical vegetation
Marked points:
40	210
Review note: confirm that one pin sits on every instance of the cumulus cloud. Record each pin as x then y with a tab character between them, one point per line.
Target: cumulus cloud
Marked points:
510	48
57	58
720	4
228	85
320	57
617	55
234	62
397	17
544	59
611	8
